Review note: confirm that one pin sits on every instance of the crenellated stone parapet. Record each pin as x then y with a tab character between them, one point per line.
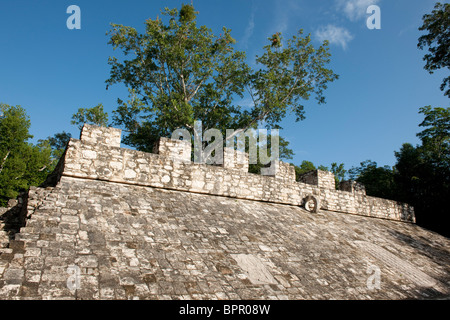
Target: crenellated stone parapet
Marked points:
110	137
235	159
353	187
320	178
280	170
170	167
178	149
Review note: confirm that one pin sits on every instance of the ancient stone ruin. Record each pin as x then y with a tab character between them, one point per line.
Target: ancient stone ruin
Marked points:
115	223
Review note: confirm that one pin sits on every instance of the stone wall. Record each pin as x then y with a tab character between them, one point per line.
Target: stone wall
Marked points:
93	158
320	178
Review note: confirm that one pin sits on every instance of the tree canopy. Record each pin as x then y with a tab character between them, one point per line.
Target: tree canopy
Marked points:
96	116
421	175
22	164
179	72
437	24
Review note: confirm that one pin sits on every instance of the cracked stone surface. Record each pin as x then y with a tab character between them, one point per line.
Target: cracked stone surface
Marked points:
87	239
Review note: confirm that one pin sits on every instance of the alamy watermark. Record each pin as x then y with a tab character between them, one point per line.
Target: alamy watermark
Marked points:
74	20
374	280
74	279
374	21
209	145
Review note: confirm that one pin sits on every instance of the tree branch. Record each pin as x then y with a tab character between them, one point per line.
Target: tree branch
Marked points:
4	160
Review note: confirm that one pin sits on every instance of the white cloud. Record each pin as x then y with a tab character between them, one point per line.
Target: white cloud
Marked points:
355	9
335	35
249	30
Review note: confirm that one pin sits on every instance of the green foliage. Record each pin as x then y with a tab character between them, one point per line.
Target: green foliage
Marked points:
438	40
59	140
339	173
307	166
38	163
304	167
14	128
284	153
379	181
187	13
276	40
421	175
180	72
96	116
21	163
423	172
127	115
436	135
58	144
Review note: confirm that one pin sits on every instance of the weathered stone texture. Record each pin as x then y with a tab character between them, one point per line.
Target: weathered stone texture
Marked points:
235	159
179	149
280	170
101	136
139	242
353	187
320	178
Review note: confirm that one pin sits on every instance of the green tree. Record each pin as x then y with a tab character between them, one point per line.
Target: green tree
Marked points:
58	144
59	140
411	170
421	175
379	181
14	128
127	115
339	173
96	116
307	166
437	24
39	163
181	73
423	172
436	135
21	163
304	167
284	153
323	168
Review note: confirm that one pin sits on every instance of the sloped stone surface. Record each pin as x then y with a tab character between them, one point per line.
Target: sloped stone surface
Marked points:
88	239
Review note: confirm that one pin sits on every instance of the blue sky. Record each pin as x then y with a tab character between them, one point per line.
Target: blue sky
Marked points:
371	110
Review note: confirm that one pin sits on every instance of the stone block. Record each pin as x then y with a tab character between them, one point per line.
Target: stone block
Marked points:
319	178
280	170
235	159
178	149
95	135
352	187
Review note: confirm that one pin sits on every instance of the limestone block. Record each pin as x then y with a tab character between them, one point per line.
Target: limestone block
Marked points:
255	269
95	135
179	149
353	187
319	178
235	159
280	170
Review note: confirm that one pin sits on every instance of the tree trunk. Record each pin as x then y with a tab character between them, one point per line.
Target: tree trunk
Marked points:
4	161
